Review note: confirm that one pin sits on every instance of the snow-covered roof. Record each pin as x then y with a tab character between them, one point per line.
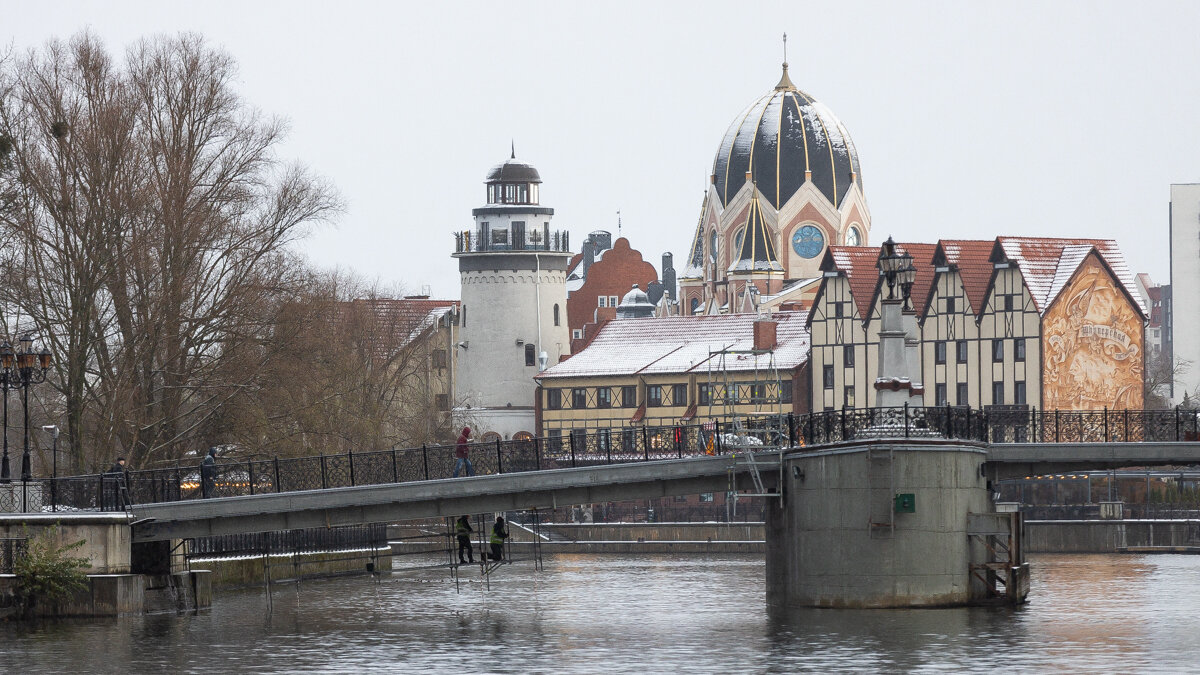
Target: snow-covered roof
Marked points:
1047	264
683	344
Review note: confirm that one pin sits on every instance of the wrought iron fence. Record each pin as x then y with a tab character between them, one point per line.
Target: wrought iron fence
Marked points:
593	447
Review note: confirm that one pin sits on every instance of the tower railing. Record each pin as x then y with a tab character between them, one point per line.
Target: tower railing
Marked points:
485	240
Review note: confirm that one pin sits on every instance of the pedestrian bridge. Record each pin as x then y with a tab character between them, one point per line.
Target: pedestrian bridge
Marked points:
256	495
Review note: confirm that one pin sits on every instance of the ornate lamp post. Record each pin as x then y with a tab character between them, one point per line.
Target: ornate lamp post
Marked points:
31	369
7	384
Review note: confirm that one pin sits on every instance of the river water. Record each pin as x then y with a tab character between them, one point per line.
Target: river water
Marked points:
627	614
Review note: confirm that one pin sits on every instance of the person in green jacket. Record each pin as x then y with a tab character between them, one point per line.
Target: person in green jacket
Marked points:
499	534
463	529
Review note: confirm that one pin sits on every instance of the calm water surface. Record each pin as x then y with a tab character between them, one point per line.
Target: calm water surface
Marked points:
628	614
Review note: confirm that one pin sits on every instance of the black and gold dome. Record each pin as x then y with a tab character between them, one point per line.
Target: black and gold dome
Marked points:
785	138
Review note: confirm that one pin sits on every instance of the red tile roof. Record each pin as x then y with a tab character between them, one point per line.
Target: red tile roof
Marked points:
972	258
860	264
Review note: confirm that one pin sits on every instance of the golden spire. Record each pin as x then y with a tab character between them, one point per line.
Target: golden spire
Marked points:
785	82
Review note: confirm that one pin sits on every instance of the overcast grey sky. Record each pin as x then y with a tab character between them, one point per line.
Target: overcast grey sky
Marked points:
971	119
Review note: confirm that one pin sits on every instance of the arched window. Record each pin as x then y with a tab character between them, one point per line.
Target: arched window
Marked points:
712	245
556	322
464	315
695	304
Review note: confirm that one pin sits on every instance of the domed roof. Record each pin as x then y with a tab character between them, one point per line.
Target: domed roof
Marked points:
780	137
513	171
635	305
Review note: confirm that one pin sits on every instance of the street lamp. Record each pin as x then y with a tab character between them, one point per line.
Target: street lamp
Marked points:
20	369
53	429
6	383
897	267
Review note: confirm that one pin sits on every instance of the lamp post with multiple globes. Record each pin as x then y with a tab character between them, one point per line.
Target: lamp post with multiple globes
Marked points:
18	370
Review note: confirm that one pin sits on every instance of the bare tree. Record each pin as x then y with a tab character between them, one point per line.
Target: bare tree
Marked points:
152	221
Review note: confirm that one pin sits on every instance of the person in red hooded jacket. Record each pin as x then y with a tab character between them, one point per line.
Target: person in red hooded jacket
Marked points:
462	452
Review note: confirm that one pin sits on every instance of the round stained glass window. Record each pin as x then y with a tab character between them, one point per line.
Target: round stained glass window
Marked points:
808	242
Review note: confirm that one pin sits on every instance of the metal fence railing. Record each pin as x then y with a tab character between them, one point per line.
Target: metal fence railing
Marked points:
290	541
592	447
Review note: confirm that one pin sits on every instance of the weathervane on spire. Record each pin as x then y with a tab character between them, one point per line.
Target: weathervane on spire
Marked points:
514	149
785	49
785	83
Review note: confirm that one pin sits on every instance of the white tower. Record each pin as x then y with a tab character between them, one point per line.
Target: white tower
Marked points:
514	302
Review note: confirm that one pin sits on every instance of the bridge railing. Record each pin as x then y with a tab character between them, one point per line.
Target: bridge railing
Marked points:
594	447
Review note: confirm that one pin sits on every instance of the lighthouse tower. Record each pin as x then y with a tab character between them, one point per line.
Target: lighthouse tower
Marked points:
513	269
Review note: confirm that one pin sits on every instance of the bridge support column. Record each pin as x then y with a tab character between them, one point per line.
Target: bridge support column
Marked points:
881	523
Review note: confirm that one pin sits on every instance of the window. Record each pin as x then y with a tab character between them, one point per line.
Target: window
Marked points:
997	393
961	397
998	351
602	301
603	397
579	398
491	194
612	301
579	440
758	393
530	355
939	394
695	305
960	348
1008	303
839	309
500	237
628	439
848	397
827	376
679	394
1019	393
1019	349
654	396
554	399
441	401
577	333
950	305
848	355
604	440
939	352
785	391
555	441
706	496
629	396
703	394
439	358
464	315
556	319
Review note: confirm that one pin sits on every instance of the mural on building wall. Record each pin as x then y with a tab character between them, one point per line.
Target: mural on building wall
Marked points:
1092	342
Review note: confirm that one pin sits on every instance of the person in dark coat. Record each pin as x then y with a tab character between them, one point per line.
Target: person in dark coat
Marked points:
114	480
462	453
208	474
463	529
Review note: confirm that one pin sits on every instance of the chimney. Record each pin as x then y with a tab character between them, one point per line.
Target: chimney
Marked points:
764	334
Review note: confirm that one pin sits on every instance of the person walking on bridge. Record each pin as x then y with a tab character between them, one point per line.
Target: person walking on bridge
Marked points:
208	474
116	480
499	534
462	453
463	529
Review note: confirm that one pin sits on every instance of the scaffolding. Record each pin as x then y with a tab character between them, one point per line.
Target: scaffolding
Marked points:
481	548
746	406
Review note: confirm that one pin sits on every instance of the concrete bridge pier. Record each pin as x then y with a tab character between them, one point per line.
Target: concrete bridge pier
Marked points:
890	523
